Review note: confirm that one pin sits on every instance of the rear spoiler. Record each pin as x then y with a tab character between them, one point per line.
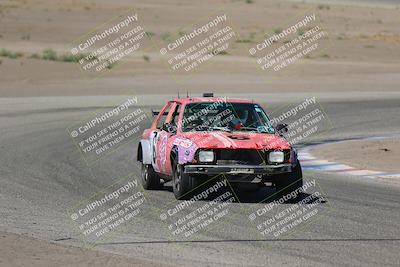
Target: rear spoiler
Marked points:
155	113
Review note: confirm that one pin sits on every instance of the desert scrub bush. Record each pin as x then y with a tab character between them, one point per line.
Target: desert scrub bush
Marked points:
35	56
26	37
149	34
49	54
223	53
111	65
165	36
71	57
146	58
327	7
244	41
10	54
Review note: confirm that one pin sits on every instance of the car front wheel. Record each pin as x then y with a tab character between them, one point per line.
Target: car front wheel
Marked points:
287	183
183	184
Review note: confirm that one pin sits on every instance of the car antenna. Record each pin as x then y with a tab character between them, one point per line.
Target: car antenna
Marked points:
178	95
187	94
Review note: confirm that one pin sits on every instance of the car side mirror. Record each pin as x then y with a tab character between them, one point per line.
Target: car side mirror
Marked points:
169	128
281	127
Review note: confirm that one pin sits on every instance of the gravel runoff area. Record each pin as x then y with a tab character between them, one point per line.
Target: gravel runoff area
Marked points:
376	155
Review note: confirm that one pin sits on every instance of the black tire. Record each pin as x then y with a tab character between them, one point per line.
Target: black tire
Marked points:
150	179
287	183
183	185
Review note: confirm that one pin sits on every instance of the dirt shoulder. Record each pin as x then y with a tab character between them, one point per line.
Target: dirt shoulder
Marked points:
377	155
358	54
18	250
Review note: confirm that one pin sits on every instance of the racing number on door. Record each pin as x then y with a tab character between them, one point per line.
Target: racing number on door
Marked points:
161	150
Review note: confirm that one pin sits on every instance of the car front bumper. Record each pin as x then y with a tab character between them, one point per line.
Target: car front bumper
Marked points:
238	169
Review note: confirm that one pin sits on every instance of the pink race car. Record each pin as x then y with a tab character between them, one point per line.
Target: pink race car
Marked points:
192	140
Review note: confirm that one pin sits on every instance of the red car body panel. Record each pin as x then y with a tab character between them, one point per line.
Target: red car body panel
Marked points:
187	143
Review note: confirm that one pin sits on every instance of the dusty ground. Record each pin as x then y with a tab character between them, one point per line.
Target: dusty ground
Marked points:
360	53
378	155
18	250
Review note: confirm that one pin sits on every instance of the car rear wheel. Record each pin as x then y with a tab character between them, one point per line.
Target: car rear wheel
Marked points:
287	183
150	179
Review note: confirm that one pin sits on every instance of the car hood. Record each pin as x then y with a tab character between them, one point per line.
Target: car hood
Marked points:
237	140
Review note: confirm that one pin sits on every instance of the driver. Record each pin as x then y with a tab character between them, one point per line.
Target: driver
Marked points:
243	116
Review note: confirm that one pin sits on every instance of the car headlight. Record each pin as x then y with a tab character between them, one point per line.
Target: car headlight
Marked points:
276	157
206	156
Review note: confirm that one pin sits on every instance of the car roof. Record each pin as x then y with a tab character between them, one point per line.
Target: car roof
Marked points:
189	100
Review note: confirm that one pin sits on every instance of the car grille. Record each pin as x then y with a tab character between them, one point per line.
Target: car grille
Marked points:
245	156
240	156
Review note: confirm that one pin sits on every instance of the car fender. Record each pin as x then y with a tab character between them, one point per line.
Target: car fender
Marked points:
185	150
147	153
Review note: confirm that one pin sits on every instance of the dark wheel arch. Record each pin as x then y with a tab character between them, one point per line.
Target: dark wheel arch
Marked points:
173	156
139	153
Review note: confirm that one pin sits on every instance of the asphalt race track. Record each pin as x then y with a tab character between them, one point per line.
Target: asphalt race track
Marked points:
42	176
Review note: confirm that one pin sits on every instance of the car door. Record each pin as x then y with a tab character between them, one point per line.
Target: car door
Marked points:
171	135
164	139
157	136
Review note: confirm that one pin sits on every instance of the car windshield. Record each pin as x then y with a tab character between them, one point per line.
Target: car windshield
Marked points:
225	116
